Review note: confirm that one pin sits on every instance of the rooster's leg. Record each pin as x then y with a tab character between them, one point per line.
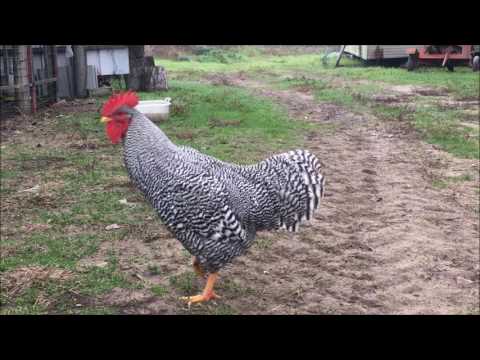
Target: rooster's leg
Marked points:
207	293
196	267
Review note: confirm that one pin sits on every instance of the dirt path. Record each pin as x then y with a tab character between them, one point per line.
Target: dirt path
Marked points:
384	241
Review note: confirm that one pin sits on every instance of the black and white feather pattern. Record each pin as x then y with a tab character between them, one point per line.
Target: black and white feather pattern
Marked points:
215	208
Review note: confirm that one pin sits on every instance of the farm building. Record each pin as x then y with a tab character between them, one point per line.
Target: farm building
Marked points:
33	76
378	52
27	78
95	65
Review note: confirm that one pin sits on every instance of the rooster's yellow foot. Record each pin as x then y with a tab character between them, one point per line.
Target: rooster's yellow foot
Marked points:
207	293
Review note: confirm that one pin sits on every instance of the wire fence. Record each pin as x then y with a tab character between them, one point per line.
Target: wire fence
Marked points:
27	78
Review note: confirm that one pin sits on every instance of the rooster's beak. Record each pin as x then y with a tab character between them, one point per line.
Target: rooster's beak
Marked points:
105	119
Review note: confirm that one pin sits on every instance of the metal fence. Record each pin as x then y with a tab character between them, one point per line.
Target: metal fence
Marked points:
28	79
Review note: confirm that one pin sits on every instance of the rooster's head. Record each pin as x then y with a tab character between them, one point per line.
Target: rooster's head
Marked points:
116	120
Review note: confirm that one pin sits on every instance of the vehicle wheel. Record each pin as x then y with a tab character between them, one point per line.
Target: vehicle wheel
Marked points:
411	62
476	63
450	66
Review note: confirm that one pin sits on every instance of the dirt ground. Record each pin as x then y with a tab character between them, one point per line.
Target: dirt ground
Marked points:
385	240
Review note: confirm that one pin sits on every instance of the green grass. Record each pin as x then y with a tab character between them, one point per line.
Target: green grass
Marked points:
48	295
159	290
153	269
439	184
443	183
263	243
306	71
185	282
247	64
463	83
82	178
221	120
101	280
223	309
51	249
441	127
438	126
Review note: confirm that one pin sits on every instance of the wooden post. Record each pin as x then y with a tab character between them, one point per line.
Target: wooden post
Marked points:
21	80
80	70
5	63
135	78
55	71
31	79
340	55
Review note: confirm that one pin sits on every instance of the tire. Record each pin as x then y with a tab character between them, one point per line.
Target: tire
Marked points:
476	63
450	66
411	62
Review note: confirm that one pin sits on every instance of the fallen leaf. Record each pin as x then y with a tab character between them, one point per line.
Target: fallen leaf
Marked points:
125	202
34	189
101	264
462	281
112	227
33	227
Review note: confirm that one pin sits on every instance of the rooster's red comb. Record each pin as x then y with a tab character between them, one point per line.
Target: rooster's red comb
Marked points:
128	98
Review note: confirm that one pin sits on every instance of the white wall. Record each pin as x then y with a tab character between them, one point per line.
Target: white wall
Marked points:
109	61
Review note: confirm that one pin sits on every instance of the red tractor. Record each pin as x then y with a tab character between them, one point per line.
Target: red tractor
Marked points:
444	55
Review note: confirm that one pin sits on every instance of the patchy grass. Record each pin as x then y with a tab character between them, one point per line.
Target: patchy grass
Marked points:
444	182
51	249
463	83
347	86
220	121
184	283
62	184
159	290
442	127
223	309
153	270
263	243
351	86
249	64
439	126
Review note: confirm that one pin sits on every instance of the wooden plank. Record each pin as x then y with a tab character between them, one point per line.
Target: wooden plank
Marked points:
340	55
36	82
45	81
92	80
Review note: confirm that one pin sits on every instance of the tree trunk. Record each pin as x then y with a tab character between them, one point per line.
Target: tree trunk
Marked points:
155	76
135	80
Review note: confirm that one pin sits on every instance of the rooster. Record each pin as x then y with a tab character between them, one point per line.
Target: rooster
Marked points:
212	207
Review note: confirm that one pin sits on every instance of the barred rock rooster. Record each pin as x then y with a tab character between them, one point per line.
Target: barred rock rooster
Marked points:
213	208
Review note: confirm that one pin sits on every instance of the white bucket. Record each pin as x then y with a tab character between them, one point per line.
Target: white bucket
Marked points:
155	110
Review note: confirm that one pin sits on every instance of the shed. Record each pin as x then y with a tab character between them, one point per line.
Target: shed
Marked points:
90	68
108	61
376	52
28	78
